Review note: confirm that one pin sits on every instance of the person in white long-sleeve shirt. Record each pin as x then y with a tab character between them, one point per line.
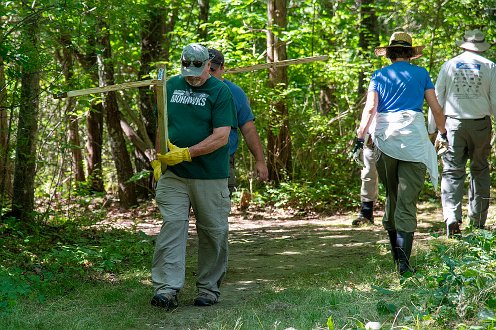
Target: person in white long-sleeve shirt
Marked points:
466	90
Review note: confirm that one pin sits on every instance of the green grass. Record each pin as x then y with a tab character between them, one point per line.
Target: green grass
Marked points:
306	276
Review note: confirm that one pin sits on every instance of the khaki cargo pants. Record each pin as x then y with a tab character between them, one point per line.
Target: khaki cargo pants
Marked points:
211	206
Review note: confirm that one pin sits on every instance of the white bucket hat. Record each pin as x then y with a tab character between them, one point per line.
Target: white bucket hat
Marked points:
474	41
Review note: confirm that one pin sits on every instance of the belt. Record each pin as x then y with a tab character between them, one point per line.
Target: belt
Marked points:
467	118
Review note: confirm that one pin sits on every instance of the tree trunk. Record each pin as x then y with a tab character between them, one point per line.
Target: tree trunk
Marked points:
75	142
203	19
155	46
94	144
94	122
118	149
368	37
155	42
5	164
67	59
278	134
141	140
327	99
27	127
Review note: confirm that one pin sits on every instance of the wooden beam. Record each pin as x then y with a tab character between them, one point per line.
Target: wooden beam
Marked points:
110	88
159	82
161	92
278	64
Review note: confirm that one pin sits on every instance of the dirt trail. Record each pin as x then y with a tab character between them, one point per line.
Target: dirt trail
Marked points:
271	247
266	244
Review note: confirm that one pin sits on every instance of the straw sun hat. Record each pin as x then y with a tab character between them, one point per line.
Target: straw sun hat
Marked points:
400	39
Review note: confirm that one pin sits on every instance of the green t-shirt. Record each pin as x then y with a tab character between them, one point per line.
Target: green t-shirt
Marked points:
193	113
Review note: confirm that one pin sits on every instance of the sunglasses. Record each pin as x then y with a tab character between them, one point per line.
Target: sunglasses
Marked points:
196	64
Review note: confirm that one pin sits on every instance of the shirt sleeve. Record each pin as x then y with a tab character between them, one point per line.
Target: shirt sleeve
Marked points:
244	110
431	123
373	83
492	91
441	86
225	111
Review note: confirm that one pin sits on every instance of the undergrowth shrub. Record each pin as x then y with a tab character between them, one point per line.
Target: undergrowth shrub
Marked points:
54	259
457	285
322	195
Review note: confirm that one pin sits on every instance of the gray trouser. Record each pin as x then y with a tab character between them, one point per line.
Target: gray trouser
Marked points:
368	191
468	139
403	182
211	205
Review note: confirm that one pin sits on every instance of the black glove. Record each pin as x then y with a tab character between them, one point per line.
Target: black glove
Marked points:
444	136
441	143
357	153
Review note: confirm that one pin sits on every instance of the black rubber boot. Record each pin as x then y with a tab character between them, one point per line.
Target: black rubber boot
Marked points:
368	210
392	241
404	242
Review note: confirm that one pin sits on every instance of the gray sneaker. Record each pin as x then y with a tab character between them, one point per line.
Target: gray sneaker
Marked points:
164	300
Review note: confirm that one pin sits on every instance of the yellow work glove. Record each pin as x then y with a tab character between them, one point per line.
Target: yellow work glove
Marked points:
171	146
157	169
175	155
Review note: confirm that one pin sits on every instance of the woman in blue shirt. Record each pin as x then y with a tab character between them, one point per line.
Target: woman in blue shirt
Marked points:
393	116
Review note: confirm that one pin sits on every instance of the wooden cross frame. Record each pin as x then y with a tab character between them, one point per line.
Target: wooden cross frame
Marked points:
278	64
161	91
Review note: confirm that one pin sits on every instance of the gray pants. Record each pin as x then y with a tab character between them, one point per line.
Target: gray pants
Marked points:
468	139
403	182
369	188
211	205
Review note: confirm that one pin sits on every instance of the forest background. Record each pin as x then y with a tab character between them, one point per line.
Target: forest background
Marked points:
67	165
57	149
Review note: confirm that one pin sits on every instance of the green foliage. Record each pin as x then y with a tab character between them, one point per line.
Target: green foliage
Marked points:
13	286
330	323
459	281
54	268
324	195
453	288
144	174
322	99
63	248
54	261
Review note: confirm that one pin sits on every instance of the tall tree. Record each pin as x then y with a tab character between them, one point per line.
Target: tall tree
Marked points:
27	128
66	58
5	166
278	135
120	155
204	6
94	119
155	44
94	145
367	36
